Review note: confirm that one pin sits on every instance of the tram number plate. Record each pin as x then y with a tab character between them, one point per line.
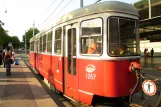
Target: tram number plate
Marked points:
90	76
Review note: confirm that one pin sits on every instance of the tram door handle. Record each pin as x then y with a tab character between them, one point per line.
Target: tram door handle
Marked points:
57	64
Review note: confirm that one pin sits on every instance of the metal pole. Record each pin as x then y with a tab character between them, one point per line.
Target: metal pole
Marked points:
25	42
33	28
149	9
81	3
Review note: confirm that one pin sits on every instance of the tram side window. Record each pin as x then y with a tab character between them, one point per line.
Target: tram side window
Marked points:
123	37
40	44
44	43
49	42
32	46
72	51
57	42
91	38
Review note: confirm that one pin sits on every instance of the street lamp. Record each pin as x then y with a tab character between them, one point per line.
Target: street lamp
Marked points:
81	3
149	9
33	28
25	42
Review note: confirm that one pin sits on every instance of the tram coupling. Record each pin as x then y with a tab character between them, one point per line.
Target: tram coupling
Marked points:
135	68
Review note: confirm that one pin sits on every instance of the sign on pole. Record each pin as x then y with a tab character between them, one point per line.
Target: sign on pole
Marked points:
149	87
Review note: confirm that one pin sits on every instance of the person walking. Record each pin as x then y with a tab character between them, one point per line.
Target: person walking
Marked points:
152	53
3	54
1	58
145	55
7	61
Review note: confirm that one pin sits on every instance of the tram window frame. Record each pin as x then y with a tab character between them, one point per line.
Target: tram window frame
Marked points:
72	50
49	42
31	46
44	43
41	44
84	43
133	46
57	41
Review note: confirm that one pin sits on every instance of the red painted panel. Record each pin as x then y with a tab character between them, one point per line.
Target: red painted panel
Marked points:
86	98
71	82
105	78
57	72
37	63
32	61
68	81
47	67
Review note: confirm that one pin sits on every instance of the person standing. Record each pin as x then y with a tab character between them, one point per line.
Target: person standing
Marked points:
3	54
7	61
1	58
145	55
152	53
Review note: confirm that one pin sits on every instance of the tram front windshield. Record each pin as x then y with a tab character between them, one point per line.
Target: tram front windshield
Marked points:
123	39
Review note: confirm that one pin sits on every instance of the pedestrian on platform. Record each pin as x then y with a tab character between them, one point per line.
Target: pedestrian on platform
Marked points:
7	61
145	55
1	58
152	53
13	55
3	54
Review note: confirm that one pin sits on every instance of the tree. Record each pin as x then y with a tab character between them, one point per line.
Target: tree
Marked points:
15	41
4	37
29	35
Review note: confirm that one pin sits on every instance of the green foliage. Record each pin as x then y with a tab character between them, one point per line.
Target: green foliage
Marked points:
4	37
15	41
144	3
29	35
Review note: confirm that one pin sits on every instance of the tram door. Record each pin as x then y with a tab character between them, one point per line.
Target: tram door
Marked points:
70	78
36	55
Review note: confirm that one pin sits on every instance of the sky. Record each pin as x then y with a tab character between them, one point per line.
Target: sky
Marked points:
19	15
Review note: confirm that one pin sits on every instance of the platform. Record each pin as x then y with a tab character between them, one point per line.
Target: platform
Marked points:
22	89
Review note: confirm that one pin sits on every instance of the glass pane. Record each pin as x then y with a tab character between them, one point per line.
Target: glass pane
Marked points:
58	34
50	36
92	45
49	47
57	47
91	41
91	27
57	43
122	37
44	38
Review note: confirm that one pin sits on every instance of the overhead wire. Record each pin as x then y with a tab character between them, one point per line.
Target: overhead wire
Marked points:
49	7
51	13
64	8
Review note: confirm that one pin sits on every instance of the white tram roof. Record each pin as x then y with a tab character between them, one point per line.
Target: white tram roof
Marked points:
107	6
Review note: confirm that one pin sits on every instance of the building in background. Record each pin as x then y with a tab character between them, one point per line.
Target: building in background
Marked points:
150	25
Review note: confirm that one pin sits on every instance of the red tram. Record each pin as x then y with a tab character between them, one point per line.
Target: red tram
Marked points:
87	53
